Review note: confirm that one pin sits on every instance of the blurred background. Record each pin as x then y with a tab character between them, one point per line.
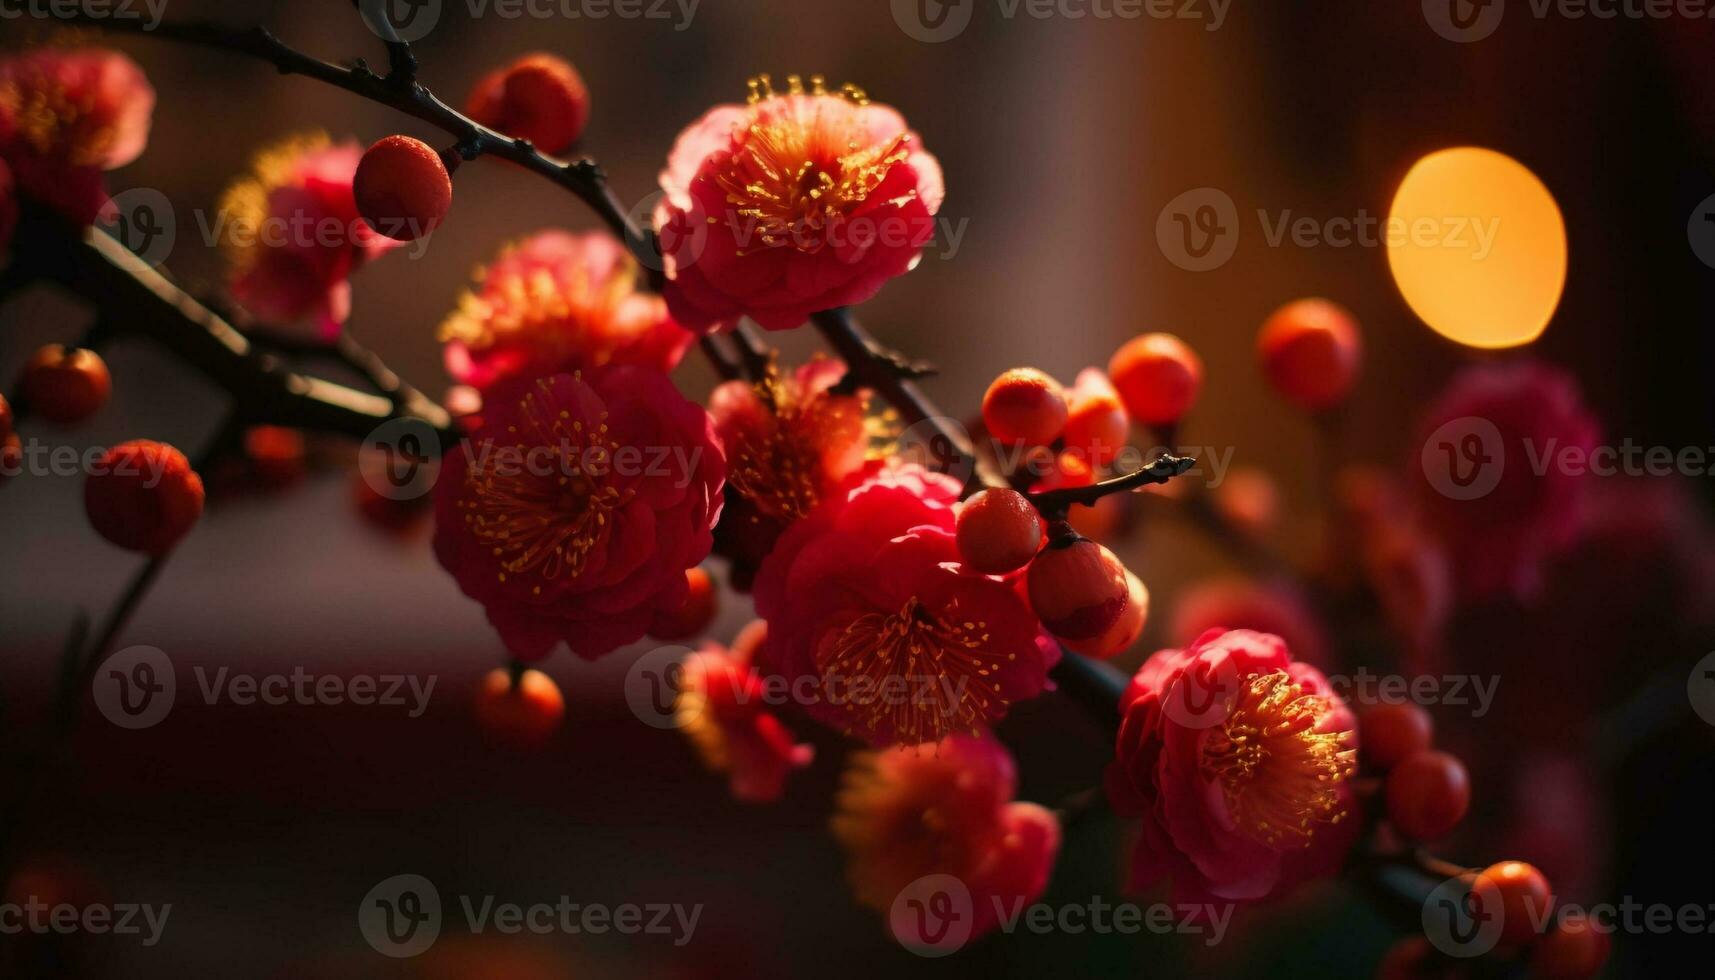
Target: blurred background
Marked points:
1063	139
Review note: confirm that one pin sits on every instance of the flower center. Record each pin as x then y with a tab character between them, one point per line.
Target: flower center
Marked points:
921	675
804	164
555	314
1280	776
541	504
782	471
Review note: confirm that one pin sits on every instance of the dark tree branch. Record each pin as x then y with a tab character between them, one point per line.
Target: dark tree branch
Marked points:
139	300
880	373
1054	504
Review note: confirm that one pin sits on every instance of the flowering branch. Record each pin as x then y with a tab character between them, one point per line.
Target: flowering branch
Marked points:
266	393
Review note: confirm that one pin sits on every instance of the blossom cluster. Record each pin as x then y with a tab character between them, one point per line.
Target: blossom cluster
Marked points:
903	613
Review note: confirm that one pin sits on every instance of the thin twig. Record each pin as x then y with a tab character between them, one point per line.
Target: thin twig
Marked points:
1054	504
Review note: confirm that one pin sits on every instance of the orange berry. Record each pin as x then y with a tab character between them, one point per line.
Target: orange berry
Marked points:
539	97
402	188
143	496
1388	733
276	454
1078	588
1573	950
1125	630
1309	351
1428	794
521	715
1525	899
66	385
1025	405
1158	378
701	603
1097	426
998	531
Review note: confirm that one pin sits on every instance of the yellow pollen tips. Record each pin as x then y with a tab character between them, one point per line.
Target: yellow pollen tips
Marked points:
537	509
1280	777
914	673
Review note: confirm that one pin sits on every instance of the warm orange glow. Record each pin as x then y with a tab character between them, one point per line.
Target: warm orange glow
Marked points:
1478	247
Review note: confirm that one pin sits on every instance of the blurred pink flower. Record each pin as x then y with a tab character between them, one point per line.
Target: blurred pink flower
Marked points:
293	236
721	708
794	203
1497	540
1238	759
944	809
66	117
556	302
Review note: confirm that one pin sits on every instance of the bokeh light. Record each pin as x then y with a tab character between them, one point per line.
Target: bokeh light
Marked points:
1477	247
